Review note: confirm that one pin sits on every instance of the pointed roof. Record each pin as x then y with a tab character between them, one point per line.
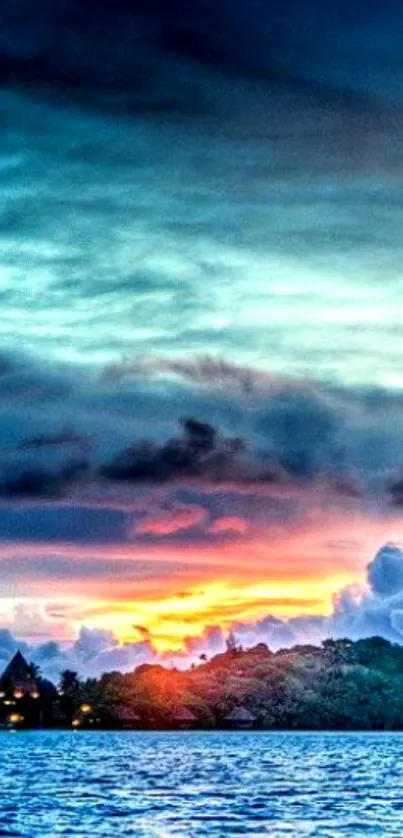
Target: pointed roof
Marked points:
126	714
240	714
183	714
18	669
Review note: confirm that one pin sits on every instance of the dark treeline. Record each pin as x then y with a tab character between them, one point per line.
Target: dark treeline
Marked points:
341	685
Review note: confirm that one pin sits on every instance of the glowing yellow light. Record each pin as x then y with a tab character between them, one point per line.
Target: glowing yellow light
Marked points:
9	703
15	718
86	708
168	619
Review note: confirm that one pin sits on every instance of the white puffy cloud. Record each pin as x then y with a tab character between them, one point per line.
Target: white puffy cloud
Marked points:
372	610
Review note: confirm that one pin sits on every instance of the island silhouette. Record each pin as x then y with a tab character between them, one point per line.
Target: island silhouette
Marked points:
339	685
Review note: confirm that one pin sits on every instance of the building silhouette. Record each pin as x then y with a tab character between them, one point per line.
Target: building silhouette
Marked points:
26	699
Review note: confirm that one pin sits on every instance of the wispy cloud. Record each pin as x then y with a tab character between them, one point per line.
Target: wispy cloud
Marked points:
205	178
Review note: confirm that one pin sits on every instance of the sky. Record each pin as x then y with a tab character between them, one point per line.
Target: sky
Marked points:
201	412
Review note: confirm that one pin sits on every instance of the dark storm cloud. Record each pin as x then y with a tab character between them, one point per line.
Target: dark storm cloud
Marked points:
156	52
65	431
199	452
30	480
287	431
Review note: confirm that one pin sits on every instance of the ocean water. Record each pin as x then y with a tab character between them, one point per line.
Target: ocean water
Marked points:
196	785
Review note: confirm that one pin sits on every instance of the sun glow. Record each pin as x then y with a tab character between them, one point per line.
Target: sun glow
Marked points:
167	621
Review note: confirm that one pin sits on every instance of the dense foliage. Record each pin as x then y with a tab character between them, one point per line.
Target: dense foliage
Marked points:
339	685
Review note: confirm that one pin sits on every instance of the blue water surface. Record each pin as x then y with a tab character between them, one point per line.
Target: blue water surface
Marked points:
200	785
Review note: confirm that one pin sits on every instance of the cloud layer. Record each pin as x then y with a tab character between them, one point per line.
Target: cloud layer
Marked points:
214	177
66	431
115	500
372	610
75	44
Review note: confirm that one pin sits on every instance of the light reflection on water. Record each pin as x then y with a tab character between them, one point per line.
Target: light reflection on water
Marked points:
191	785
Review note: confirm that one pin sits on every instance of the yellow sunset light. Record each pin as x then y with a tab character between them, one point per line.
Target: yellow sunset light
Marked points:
175	617
15	718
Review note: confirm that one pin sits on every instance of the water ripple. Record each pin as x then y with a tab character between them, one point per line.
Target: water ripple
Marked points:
195	785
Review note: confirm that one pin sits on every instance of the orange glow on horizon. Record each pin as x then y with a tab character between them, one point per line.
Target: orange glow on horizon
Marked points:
15	718
176	591
170	619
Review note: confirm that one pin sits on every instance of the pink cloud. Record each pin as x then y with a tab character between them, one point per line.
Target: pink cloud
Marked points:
229	524
171	521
